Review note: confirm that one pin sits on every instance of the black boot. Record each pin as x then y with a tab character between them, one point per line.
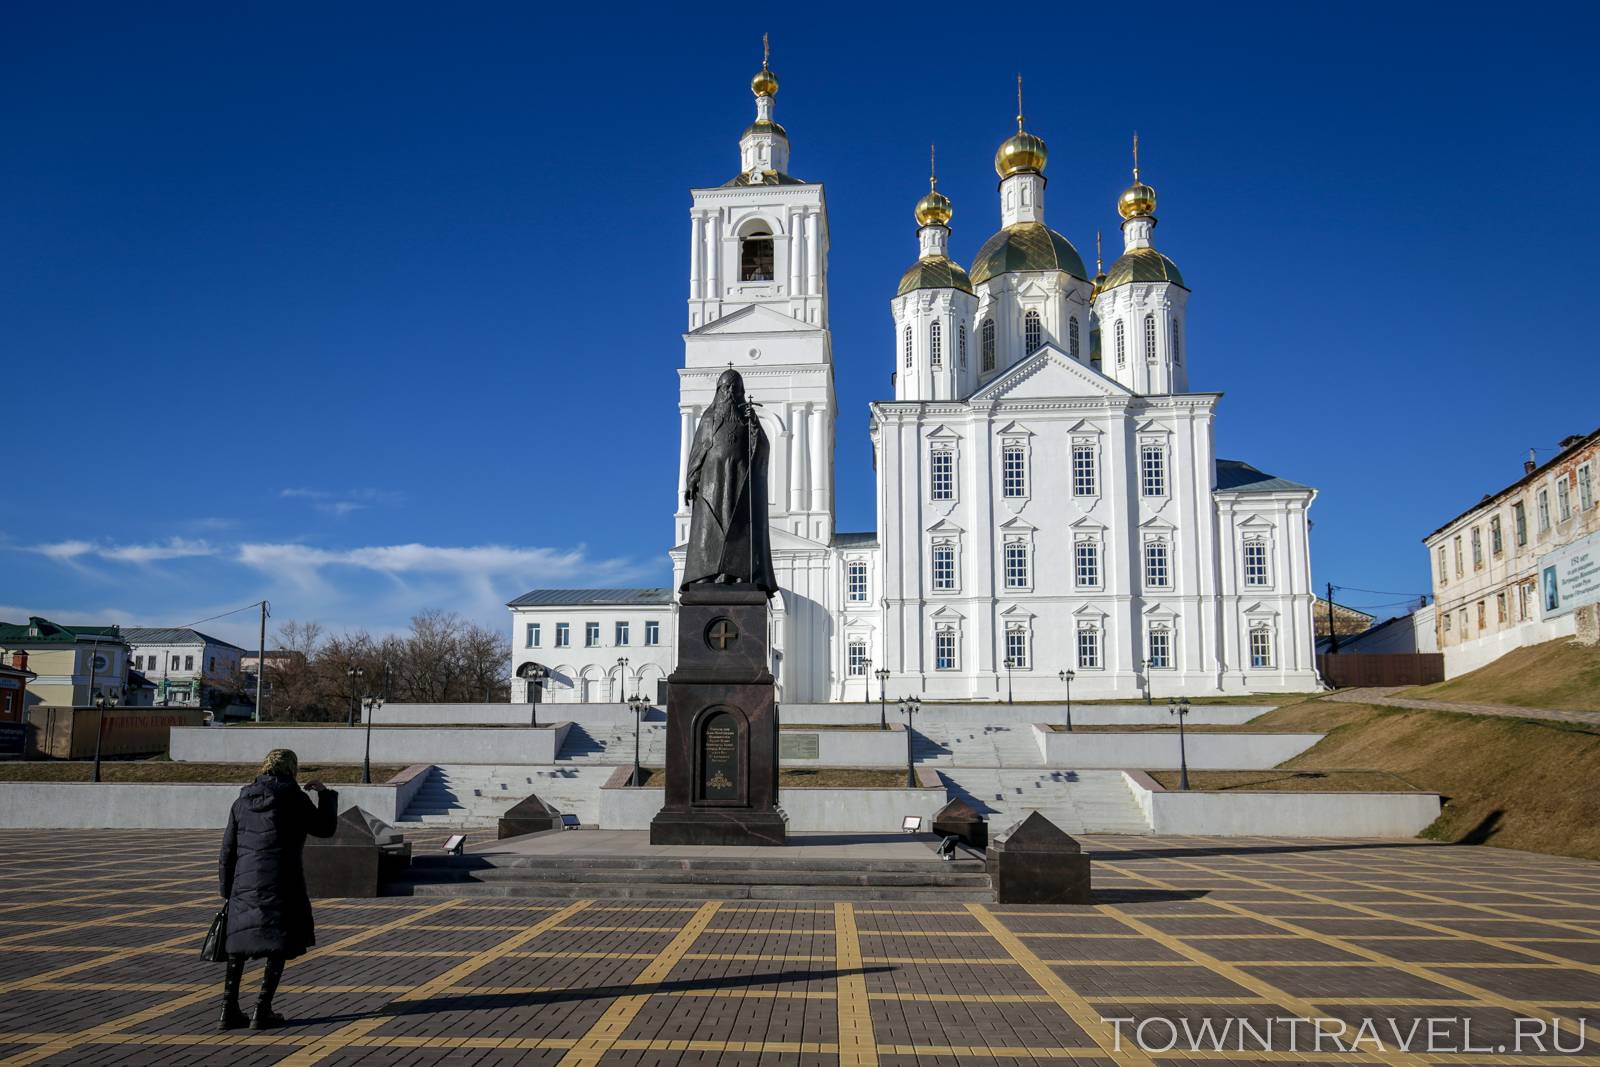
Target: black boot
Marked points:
265	1017
232	1017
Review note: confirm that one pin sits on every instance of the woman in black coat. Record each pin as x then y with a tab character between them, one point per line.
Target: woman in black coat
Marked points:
263	879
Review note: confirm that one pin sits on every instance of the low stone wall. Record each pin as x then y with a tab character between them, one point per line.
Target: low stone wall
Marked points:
994	714
1158	751
512	714
1246	814
809	810
127	806
346	744
844	748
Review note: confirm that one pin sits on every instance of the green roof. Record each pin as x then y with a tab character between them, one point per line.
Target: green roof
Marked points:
37	631
934	272
1237	476
1026	246
1142	265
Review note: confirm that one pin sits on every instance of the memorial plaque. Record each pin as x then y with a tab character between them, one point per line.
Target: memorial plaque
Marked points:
719	757
799	746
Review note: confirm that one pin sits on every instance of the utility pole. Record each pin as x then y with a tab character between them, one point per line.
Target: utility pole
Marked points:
261	658
1333	636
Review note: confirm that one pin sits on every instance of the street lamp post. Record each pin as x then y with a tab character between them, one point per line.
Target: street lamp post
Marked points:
1144	679
354	674
1066	680
369	707
101	703
910	705
1009	663
637	704
1180	708
882	674
536	676
622	675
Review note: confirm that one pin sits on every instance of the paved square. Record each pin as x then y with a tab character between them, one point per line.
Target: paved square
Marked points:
1197	949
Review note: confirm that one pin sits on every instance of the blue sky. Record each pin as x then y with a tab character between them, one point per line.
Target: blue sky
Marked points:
371	308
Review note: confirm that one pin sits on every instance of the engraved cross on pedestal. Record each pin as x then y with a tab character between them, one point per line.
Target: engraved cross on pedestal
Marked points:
723	634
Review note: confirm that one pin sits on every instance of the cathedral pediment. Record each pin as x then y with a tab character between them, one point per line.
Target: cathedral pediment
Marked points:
757	318
1049	374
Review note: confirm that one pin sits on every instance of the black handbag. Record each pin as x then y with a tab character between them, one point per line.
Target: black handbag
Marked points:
215	948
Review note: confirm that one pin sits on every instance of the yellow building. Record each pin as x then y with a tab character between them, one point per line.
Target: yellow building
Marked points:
72	665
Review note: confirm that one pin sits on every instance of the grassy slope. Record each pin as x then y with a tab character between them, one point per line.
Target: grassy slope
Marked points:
1557	674
1517	783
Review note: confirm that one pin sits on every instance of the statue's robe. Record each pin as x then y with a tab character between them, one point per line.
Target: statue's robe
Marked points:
728	534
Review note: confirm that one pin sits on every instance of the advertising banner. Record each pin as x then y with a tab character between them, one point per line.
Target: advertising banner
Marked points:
1569	578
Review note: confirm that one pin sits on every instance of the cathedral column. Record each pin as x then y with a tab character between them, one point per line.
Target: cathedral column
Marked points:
797	453
797	246
813	264
714	254
697	256
685	442
819	462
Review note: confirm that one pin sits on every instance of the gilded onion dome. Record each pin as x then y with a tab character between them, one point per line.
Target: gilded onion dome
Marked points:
934	209
1026	246
1021	153
1137	200
934	272
1141	265
765	83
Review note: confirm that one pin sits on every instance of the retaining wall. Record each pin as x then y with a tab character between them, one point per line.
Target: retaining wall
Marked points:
163	806
809	810
1245	814
848	748
980	714
1159	750
346	744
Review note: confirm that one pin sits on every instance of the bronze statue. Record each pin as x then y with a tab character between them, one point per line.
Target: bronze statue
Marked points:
726	486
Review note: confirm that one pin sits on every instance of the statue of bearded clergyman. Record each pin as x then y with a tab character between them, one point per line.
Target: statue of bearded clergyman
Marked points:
726	486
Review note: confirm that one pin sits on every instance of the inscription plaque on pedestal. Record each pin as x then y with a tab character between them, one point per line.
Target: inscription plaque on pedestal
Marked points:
719	758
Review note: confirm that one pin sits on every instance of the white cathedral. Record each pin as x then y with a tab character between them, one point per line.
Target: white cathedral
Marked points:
1048	494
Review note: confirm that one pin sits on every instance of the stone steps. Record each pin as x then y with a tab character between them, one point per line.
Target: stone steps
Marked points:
669	891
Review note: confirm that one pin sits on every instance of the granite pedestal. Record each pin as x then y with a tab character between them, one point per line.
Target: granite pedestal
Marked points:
1039	863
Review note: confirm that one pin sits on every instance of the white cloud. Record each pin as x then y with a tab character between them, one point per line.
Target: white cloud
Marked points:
532	564
172	548
341	504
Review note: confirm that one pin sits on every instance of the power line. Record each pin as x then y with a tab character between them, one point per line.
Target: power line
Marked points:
1379	592
225	614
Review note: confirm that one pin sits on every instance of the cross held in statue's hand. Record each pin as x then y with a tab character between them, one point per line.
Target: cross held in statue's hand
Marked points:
723	634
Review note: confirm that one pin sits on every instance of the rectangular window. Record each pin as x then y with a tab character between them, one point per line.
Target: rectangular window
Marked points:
1524	600
591	634
1255	563
1014	471
175	662
563	635
1153	471
1447	618
1457	542
1260	647
1083	471
1156	573
1497	542
1088	648
942	474
1585	487
1544	510
1444	566
1160	649
944	650
1016	565
857	659
1563	499
530	637
1477	549
622	633
1519	522
1017	648
1461	619
856	583
211	664
1483	615
652	633
1088	564
188	663
1500	608
944	567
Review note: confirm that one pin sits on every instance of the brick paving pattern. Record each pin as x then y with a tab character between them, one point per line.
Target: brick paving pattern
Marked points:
100	930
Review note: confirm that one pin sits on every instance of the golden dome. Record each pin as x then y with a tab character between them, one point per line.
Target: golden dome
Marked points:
765	83
1137	200
1020	153
934	209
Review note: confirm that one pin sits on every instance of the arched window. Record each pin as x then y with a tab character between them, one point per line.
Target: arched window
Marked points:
907	344
1122	344
755	257
1072	336
936	345
1032	332
1177	350
986	342
961	344
1150	338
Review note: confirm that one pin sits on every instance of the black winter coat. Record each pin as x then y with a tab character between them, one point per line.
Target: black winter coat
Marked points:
262	871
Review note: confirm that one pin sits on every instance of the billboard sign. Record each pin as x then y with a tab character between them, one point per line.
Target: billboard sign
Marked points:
1569	578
